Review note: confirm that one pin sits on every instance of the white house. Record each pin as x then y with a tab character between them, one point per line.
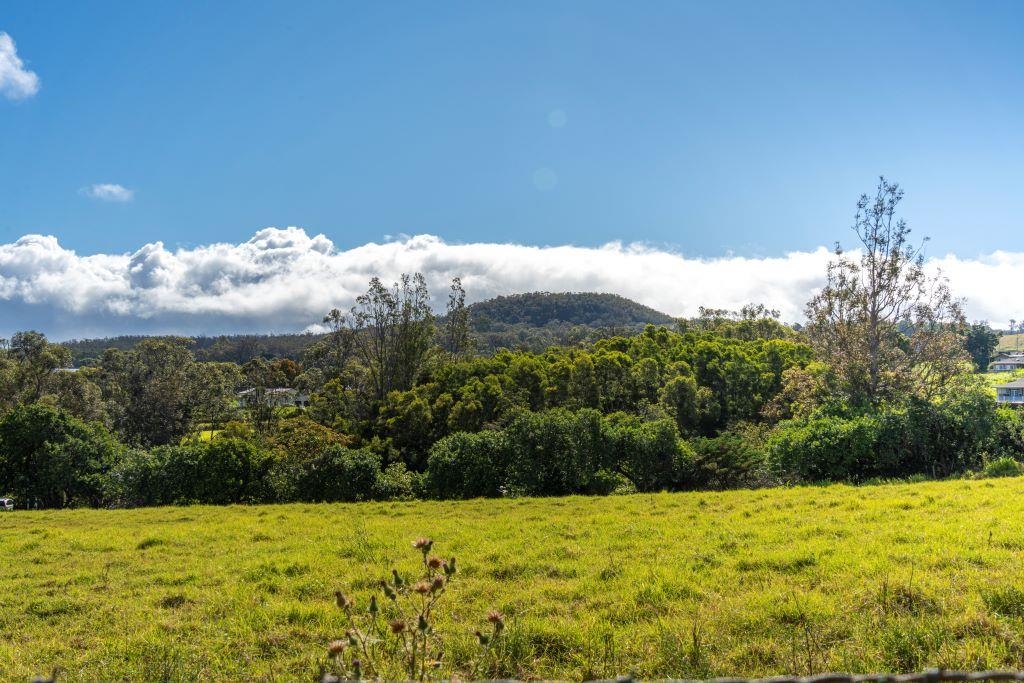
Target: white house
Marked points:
1011	393
276	397
1007	363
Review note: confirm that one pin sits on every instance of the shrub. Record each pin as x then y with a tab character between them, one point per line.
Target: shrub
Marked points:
731	459
466	465
396	483
650	454
824	448
1003	467
606	482
937	437
138	478
226	470
339	474
51	459
556	452
232	471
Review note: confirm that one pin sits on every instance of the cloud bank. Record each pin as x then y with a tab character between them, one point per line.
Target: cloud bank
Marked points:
16	82
108	192
285	280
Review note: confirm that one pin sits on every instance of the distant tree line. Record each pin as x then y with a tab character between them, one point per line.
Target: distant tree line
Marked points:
402	405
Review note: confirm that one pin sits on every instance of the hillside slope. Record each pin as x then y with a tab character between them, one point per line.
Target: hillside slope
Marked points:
535	321
591	309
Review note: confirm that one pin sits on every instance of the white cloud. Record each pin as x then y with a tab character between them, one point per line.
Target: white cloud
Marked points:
16	82
285	280
108	192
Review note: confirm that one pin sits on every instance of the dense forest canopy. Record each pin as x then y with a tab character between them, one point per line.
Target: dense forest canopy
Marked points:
495	400
534	320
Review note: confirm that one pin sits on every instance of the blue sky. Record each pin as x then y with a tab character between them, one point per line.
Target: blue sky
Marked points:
153	155
716	128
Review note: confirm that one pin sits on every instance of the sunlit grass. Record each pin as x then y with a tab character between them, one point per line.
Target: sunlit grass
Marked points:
1011	342
893	577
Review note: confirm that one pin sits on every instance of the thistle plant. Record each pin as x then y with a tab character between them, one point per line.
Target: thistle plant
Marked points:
394	633
488	641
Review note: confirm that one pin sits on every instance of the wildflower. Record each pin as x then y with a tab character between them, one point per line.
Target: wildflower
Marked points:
336	647
389	592
351	635
423	544
342	600
373	605
498	619
483	638
434	562
397	626
422	624
449	567
398	579
422	587
437	584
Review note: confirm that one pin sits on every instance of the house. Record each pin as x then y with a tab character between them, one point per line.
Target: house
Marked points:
1004	363
277	397
1011	393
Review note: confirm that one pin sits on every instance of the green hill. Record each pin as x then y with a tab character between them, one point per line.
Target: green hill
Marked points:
1011	342
591	309
535	320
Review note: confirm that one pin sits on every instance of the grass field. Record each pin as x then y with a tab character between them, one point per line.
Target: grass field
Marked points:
1011	342
891	577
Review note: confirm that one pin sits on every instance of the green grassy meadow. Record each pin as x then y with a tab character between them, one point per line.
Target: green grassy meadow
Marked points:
889	577
1011	342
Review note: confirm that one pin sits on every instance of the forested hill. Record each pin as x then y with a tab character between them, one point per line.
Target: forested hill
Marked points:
532	321
233	348
577	308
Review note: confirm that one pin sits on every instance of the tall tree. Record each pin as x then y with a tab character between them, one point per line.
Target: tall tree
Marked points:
152	391
885	326
981	341
455	339
393	331
332	354
36	360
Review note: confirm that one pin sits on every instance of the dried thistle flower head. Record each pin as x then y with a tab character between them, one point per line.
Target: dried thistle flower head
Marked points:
495	617
423	543
437	584
336	647
422	587
397	626
435	562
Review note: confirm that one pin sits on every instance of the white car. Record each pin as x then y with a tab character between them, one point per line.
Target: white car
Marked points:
6	504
